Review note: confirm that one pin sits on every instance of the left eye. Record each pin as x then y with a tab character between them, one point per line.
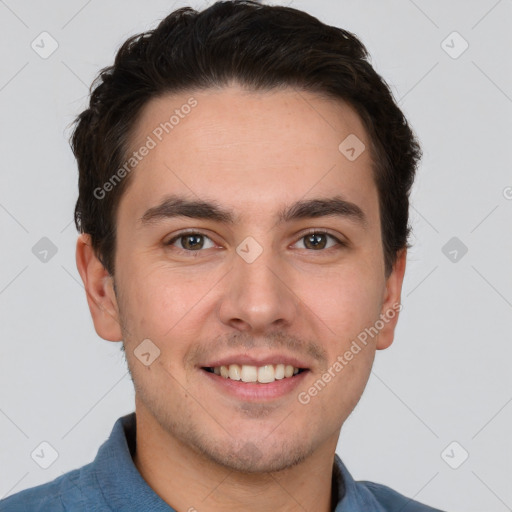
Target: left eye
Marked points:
316	241
192	242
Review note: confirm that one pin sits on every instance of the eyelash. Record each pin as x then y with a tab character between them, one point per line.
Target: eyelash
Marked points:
309	232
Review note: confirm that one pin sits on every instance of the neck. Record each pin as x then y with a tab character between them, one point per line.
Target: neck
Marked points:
190	482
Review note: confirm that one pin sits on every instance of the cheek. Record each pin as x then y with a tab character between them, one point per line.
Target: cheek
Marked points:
161	300
348	387
158	307
347	300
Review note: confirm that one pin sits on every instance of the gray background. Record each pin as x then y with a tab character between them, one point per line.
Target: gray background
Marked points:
447	376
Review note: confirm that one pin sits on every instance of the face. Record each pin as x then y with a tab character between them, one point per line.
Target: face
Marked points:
247	242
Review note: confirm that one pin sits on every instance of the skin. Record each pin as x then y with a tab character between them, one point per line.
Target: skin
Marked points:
253	153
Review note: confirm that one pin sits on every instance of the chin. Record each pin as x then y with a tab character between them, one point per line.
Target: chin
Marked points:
251	459
262	455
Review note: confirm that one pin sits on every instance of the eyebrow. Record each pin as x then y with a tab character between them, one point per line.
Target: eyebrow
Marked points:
176	206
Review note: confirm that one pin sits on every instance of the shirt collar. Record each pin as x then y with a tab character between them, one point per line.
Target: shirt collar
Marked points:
122	485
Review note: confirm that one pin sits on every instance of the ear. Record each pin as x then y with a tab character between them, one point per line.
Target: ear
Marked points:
391	302
98	284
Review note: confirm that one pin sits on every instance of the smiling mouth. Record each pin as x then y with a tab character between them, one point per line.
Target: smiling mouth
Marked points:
260	374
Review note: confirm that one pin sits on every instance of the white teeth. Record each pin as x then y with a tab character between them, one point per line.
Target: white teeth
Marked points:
249	373
262	374
234	372
266	374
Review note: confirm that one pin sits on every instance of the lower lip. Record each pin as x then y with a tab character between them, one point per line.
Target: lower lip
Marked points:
255	391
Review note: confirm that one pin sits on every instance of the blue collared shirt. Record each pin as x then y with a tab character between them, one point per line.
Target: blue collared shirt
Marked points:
112	483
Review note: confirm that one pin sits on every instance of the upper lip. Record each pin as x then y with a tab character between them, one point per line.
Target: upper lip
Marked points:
253	360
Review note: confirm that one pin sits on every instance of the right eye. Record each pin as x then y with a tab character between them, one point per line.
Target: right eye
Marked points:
191	242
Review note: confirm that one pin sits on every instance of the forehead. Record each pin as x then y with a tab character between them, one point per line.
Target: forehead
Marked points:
252	150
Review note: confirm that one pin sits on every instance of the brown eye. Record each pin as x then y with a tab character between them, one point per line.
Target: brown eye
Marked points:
317	241
191	242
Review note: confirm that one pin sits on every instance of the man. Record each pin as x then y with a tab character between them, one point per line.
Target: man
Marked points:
243	204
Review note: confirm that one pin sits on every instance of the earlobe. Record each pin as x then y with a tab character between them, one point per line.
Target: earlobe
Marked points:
391	303
98	284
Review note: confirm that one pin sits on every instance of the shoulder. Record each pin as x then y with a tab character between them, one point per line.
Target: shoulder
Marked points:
390	499
365	495
55	496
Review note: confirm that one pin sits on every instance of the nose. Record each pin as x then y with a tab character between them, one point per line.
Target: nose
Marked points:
258	297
